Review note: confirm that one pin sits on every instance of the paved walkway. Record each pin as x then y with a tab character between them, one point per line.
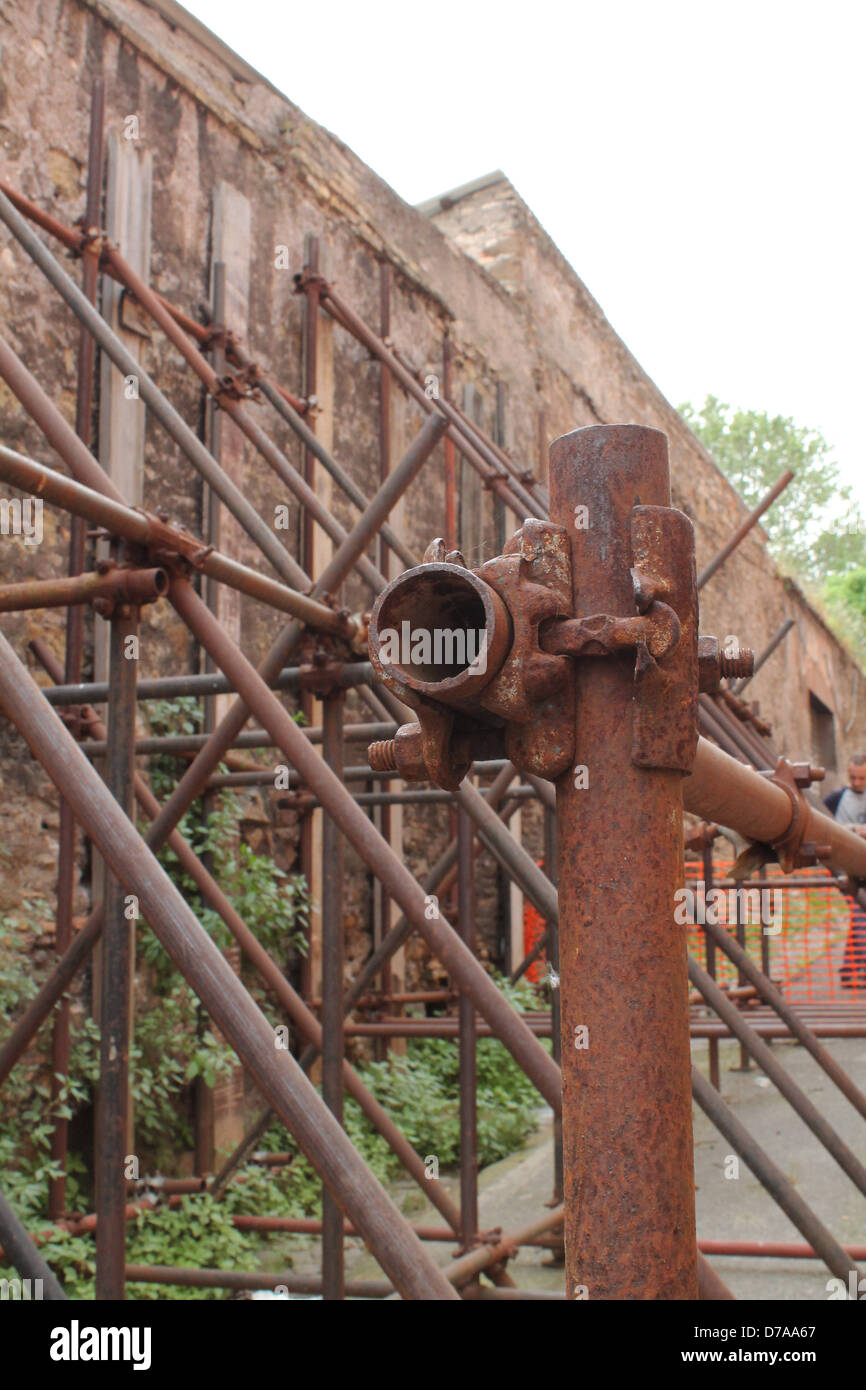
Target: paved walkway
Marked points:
513	1193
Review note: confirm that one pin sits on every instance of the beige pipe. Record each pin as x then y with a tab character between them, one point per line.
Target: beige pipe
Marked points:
721	789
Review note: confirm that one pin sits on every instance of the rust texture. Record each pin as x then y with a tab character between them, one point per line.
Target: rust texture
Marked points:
627	1127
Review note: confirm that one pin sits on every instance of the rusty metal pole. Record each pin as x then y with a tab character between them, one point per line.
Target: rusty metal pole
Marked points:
112	1106
381	816
627	1122
709	941
778	637
552	935
307	541
467	1045
450	461
740	924
74	648
19	1250
745	527
203	1095
333	1272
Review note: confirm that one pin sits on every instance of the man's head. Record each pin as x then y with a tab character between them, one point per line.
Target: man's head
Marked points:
857	772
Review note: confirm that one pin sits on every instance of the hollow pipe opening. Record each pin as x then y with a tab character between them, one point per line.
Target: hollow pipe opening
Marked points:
441	631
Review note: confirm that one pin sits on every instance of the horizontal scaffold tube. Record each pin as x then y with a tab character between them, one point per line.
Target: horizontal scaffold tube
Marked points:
722	790
142	528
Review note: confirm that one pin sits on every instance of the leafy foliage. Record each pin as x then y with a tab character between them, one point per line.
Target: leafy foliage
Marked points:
845	601
274	904
815	527
419	1091
196	1234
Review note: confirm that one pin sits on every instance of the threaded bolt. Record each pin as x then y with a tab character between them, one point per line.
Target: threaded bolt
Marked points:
382	756
743	664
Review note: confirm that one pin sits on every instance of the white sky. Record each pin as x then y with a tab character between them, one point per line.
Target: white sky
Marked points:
701	165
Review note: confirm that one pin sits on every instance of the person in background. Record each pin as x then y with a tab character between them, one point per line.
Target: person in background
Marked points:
848	807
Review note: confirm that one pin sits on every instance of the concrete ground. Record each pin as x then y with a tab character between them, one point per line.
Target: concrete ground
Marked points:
513	1192
740	1209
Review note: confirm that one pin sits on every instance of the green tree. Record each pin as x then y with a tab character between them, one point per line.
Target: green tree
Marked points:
815	527
845	601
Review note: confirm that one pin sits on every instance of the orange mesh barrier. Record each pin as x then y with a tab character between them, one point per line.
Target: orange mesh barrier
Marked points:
816	942
816	945
533	928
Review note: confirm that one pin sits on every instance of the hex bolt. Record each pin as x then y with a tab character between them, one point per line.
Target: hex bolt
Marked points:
382	756
806	773
743	664
715	664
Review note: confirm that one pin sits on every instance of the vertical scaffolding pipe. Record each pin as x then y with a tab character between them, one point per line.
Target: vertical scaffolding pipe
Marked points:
203	1096
384	556
711	962
504	880
211	518
740	924
550	863
499	518
451	539
467	1041
74	647
450	459
627	1121
311	351
333	1274
112	1106
382	814
765	948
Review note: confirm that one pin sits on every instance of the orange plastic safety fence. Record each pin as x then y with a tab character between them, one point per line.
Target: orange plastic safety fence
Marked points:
815	938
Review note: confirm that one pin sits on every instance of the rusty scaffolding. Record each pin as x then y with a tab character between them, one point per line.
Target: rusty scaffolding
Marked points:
591	684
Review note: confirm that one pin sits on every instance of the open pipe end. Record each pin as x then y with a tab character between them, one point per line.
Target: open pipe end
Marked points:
441	631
